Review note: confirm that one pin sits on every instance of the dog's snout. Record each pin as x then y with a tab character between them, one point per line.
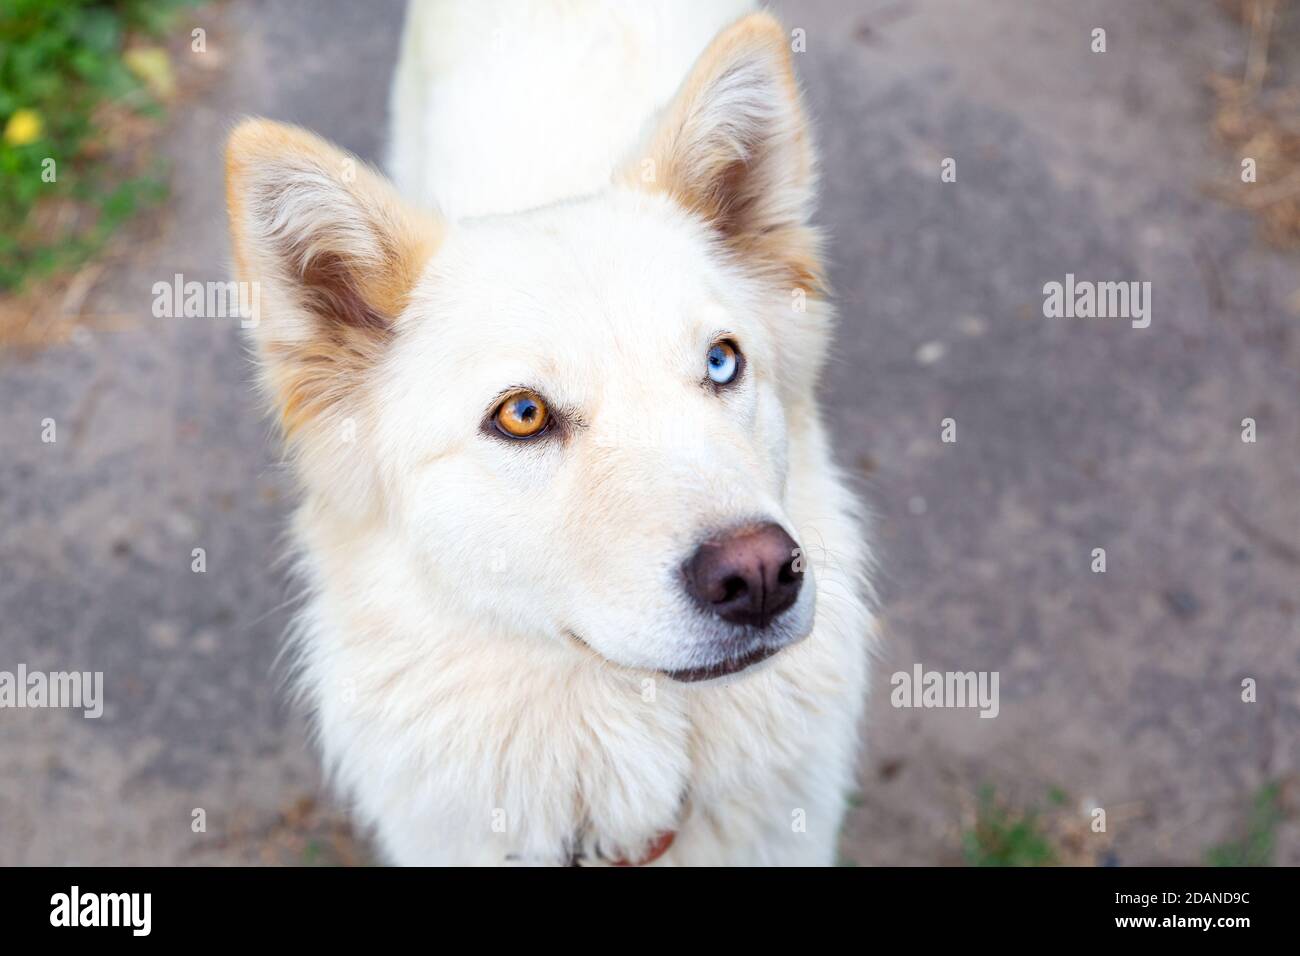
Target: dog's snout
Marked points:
747	576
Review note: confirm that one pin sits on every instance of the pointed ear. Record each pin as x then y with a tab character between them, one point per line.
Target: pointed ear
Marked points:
734	148
333	252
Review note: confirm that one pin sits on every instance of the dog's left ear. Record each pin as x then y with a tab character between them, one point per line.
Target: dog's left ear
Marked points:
335	253
734	147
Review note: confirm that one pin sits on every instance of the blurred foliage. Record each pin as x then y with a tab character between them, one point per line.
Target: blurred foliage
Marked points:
64	81
1003	836
1258	117
1257	846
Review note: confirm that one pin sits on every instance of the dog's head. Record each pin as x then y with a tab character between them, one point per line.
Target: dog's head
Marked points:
576	418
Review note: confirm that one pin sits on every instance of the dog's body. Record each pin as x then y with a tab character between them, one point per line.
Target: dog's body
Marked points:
504	105
492	620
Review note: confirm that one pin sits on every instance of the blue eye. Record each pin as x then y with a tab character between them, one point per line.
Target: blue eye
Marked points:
724	363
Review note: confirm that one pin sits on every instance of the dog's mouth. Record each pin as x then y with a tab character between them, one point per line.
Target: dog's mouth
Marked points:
692	675
731	665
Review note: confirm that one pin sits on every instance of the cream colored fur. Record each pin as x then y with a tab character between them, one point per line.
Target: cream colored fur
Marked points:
587	196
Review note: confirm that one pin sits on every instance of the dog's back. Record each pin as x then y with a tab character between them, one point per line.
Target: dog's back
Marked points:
504	105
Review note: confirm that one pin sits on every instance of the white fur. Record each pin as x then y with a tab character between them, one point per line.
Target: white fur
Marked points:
448	568
502	105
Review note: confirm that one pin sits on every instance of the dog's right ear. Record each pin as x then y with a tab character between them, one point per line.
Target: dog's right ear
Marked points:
334	253
734	148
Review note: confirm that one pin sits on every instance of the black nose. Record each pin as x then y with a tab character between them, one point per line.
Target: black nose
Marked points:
746	576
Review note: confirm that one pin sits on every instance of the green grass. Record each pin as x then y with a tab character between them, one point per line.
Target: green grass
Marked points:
1003	836
1257	846
60	64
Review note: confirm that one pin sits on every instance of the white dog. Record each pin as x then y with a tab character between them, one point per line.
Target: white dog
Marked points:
551	401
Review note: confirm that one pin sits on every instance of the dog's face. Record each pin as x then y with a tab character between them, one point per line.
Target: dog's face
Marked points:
583	397
575	418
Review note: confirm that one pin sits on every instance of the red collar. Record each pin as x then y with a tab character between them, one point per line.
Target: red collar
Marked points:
657	848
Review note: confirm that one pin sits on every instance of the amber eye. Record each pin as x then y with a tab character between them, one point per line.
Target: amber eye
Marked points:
522	415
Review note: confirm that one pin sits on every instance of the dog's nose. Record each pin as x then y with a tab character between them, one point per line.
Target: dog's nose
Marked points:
746	576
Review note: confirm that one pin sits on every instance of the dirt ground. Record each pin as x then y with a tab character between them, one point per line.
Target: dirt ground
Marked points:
1120	690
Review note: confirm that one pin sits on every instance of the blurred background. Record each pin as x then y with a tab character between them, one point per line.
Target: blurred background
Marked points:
1121	690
